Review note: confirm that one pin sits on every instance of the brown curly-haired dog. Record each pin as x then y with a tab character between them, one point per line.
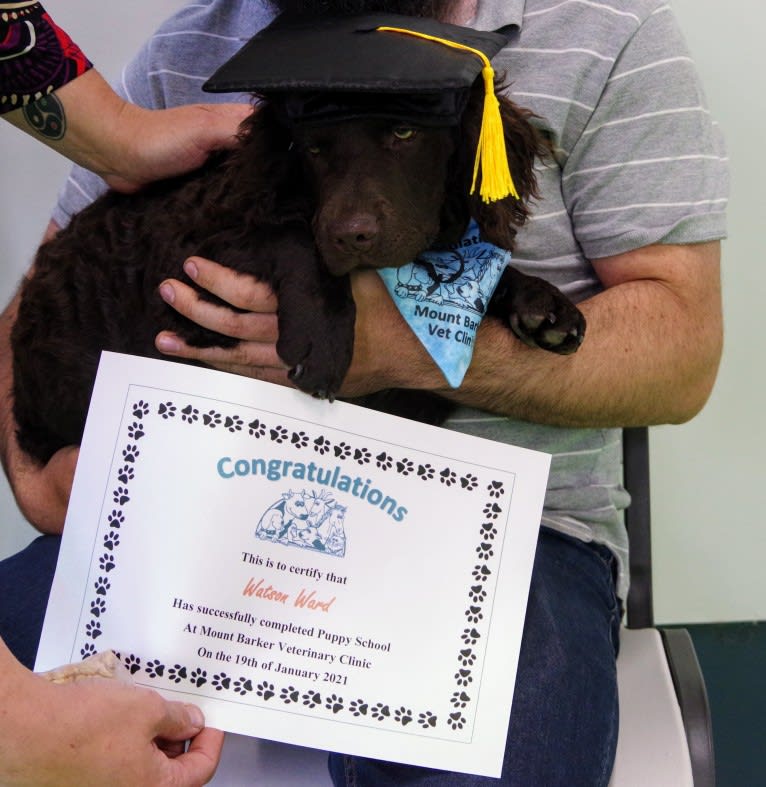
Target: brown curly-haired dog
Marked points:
298	210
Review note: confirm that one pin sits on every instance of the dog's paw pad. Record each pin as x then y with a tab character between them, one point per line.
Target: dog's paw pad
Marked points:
561	331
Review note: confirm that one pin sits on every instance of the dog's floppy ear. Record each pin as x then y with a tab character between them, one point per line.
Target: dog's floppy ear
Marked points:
499	220
268	166
264	131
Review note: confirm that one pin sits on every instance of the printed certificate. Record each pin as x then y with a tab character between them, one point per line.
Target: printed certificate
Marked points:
305	571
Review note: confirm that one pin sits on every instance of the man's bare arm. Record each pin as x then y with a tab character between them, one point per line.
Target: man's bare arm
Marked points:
650	354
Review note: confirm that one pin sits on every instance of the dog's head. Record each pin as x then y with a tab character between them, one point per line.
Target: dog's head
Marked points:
385	113
379	187
385	190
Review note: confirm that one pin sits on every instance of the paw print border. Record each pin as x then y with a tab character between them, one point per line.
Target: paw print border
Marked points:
116	526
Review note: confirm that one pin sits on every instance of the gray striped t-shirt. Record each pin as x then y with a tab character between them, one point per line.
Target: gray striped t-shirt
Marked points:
637	161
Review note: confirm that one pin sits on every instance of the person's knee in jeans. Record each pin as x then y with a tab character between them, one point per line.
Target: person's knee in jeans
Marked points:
25	583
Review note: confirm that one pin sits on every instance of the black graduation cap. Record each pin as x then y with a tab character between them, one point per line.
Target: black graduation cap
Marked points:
411	69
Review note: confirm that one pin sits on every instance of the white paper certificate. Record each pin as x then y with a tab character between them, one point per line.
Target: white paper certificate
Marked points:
305	571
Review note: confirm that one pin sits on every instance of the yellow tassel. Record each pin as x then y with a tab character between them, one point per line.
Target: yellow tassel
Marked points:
491	155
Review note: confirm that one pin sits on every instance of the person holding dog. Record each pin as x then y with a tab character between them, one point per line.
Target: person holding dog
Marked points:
50	90
628	224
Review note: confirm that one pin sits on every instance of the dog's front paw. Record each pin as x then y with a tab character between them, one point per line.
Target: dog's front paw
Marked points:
318	351
539	314
319	377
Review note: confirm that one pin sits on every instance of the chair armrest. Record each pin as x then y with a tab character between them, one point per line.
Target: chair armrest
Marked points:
689	684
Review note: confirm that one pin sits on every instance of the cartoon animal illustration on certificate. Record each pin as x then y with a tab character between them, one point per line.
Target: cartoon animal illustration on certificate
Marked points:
305	519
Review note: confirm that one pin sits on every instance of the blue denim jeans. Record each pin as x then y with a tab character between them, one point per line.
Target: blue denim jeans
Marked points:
563	729
25	583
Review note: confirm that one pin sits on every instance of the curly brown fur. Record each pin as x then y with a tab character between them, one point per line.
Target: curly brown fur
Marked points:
262	209
94	285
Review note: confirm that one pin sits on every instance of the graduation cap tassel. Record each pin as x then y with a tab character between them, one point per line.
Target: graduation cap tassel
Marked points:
491	155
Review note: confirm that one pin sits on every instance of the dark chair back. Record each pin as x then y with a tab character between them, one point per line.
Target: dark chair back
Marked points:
635	468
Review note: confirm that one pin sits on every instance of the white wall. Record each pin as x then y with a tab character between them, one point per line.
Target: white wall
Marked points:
708	502
708	476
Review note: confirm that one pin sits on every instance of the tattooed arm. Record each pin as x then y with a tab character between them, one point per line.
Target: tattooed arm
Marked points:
49	89
127	145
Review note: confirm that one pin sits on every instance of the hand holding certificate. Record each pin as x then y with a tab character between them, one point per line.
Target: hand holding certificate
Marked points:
306	572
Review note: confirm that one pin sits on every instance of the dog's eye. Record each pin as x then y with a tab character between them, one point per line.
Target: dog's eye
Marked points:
404	133
314	150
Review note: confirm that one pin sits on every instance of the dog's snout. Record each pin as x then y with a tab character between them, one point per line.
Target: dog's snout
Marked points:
357	234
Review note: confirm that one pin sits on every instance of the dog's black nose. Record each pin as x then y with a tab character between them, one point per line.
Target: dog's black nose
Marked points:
356	234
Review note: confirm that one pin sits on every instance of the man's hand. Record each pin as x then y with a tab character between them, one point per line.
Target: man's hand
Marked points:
375	365
256	354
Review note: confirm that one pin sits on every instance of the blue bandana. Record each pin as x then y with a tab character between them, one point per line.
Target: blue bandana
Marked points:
444	294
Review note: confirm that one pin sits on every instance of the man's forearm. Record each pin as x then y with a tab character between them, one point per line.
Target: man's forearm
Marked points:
619	377
650	353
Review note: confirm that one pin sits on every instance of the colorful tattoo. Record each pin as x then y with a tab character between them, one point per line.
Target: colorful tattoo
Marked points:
36	56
